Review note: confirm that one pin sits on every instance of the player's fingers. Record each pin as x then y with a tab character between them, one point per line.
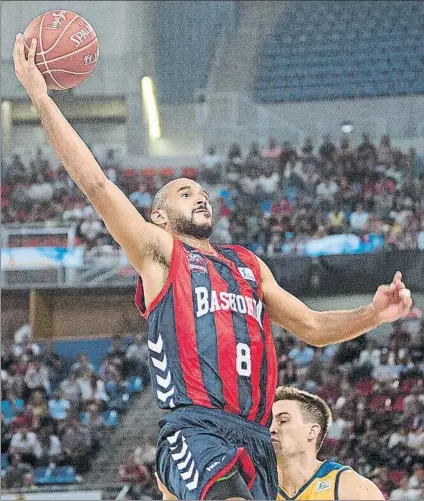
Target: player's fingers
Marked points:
397	277
20	47
31	52
387	289
405	296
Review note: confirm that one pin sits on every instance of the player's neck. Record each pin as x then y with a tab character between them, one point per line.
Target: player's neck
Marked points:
294	472
197	243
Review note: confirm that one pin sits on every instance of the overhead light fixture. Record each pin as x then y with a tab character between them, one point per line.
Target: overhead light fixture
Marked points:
150	107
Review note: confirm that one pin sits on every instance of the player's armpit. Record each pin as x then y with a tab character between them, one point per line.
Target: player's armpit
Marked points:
285	309
354	486
140	240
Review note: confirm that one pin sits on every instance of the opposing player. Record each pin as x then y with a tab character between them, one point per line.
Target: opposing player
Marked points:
212	357
299	426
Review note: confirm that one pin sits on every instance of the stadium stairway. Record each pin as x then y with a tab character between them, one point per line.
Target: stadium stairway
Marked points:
237	65
138	423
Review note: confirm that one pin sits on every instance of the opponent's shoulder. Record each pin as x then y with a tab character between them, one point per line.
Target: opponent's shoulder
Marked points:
352	485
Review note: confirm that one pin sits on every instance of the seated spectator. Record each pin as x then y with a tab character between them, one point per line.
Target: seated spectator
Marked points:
90	230
51	449
82	365
36	378
14	476
117	350
302	356
137	475
326	192
92	389
23	345
404	492
141	198
371	355
26	444
271	156
41	190
76	445
38	405
211	166
358	218
71	390
328	149
137	357
58	406
269	182
386	371
147	454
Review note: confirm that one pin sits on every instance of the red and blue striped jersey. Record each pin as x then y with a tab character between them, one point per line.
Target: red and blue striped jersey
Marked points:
209	336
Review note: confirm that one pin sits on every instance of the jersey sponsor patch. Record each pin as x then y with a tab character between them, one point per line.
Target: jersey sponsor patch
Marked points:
323	486
197	263
247	274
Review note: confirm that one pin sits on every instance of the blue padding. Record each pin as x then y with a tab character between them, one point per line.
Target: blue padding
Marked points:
59	475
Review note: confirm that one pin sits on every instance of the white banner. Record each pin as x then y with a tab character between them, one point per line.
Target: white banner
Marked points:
31	258
53	496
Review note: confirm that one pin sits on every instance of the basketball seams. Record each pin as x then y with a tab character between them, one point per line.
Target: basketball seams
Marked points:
70	53
58	70
63	32
43	55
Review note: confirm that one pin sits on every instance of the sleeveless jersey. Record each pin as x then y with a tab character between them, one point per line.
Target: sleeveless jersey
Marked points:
209	335
323	485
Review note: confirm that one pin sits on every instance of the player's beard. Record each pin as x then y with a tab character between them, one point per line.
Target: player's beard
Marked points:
188	227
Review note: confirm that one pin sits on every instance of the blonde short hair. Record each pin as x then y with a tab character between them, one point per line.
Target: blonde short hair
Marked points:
312	407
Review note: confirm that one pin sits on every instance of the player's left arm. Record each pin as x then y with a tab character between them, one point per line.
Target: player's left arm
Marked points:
354	486
321	328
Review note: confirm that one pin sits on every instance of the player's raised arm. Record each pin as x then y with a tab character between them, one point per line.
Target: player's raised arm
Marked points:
320	328
354	486
138	238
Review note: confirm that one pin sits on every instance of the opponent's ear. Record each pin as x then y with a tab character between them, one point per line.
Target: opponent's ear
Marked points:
314	431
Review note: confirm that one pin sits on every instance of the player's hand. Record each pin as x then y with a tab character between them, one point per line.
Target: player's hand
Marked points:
165	493
393	301
26	70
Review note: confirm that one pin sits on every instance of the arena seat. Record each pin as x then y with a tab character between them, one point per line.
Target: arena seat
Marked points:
4	460
340	58
7	411
365	387
396	476
190	172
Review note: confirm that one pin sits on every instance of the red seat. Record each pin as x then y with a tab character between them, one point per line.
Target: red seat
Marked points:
380	402
130	173
149	172
167	172
399	404
396	476
5	190
190	172
365	387
408	384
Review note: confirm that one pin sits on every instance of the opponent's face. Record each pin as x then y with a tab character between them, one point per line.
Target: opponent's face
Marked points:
188	209
291	434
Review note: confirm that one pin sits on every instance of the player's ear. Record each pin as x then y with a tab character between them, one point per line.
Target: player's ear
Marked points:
159	217
314	431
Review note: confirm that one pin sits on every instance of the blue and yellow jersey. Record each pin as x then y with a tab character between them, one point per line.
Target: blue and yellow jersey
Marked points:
322	486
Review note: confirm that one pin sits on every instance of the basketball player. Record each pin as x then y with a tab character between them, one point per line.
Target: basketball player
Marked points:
299	426
212	356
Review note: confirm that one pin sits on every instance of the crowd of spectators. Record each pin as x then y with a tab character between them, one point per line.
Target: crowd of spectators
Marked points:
376	393
272	200
56	411
278	199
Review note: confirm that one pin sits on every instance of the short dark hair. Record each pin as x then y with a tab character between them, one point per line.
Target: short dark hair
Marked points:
312	408
159	199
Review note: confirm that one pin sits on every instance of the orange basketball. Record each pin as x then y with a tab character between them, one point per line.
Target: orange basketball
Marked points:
67	48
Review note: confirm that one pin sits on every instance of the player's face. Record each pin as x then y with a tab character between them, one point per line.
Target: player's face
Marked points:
189	211
291	435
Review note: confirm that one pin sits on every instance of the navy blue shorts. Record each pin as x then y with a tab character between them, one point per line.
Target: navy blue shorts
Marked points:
197	446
